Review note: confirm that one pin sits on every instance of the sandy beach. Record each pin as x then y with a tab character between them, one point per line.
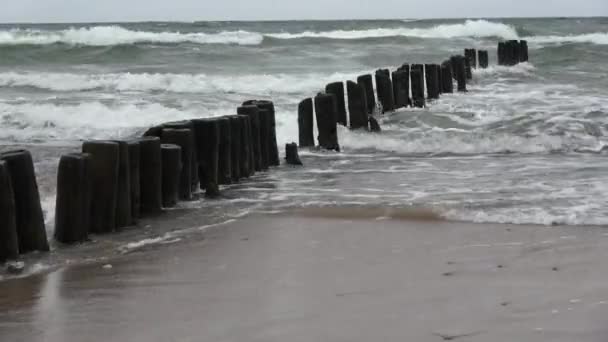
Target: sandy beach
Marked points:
305	276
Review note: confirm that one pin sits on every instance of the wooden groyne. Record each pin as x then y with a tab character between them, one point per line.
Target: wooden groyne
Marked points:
110	185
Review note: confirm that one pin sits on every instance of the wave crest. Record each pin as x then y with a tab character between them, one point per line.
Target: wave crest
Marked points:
116	35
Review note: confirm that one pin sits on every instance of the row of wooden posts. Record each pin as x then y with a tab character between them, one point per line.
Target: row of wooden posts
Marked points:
404	87
111	184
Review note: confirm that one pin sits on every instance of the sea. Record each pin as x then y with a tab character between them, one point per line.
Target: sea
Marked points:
527	144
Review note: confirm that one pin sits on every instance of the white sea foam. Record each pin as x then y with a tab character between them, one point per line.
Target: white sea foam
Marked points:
470	28
598	38
179	83
116	35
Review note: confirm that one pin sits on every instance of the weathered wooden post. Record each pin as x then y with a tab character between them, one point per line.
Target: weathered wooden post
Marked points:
28	212
150	176
271	136
502	48
327	121
208	141
291	154
523	51
459	71
9	241
225	152
401	88
432	80
134	162
337	88
384	87
171	158
447	83
183	138
123	199
417	80
368	86
245	146
104	171
483	59
357	105
235	147
192	161
73	200
264	134
471	55
305	123
256	141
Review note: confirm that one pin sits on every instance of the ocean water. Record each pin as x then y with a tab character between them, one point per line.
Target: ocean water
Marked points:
526	144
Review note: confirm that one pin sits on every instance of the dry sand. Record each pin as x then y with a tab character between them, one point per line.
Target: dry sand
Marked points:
308	277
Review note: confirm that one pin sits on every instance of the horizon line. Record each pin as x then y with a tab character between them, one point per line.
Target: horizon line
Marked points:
136	21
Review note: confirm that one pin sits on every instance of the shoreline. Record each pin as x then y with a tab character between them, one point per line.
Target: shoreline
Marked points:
278	277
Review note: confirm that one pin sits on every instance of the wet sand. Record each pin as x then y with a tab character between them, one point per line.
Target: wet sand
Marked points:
307	277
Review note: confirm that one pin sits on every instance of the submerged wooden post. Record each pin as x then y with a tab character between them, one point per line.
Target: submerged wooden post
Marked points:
523	51
327	121
305	123
357	105
471	55
368	86
384	87
208	142
401	88
337	88
432	80
150	176
256	143
171	158
502	49
483	59
73	200
459	71
447	83
417	79
291	154
29	218
134	162
9	241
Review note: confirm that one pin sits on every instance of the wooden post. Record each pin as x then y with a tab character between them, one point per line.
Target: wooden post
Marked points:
235	147
471	55
245	146
357	105
384	87
368	86
134	162
171	157
9	241
291	154
432	80
523	51
417	80
256	142
208	141
327	121
225	152
184	139
150	176
123	194
305	123
459	71
337	88
271	137
192	160
483	59
105	160
502	48
73	200
401	88
447	83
